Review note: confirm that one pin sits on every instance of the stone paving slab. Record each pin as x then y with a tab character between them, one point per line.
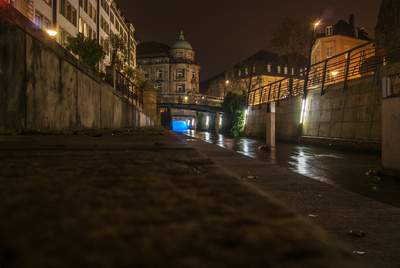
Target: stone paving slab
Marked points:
334	209
143	198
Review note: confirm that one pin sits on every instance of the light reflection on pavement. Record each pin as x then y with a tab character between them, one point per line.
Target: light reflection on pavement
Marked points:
346	169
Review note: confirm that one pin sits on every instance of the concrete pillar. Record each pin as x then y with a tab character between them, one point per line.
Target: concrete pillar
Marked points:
216	122
271	125
150	103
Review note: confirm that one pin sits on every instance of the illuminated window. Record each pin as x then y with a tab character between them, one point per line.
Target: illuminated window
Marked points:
279	69
85	29
285	70
159	73
246	71
80	25
269	68
90	10
41	21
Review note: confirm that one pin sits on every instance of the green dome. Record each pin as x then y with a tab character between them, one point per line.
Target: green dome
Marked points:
182	43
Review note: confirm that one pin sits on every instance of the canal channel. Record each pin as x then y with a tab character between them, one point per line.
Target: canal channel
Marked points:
354	171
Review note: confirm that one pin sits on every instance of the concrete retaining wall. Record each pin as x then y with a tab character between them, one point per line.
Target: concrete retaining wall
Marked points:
43	87
391	136
351	119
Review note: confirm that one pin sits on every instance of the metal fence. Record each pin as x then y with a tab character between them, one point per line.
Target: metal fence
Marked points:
357	62
128	89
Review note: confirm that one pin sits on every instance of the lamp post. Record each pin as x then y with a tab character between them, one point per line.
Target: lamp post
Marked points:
309	58
52	33
226	85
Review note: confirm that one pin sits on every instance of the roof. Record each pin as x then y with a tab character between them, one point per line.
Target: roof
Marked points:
152	50
347	29
182	43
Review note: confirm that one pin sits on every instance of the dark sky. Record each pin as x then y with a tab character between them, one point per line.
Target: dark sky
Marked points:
222	32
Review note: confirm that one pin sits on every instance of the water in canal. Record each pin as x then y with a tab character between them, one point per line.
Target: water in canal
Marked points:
346	169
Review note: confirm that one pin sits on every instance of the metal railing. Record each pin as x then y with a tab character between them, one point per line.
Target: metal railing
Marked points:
188	98
128	89
355	63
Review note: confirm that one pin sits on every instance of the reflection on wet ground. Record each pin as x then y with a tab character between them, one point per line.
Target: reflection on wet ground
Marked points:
346	169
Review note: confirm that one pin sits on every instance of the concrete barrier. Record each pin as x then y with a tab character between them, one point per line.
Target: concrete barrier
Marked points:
44	87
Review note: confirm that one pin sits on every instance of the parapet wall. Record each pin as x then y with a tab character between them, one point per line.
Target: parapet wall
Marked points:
351	118
43	87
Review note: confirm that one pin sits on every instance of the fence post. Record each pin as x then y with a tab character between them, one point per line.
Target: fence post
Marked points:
323	77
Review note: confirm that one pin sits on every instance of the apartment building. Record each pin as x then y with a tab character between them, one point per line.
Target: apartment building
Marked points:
95	19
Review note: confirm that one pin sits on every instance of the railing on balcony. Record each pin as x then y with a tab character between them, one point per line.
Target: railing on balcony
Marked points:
357	62
128	89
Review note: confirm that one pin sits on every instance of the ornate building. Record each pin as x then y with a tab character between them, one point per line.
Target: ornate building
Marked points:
170	69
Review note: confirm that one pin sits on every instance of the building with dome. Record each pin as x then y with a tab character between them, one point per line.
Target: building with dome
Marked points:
170	69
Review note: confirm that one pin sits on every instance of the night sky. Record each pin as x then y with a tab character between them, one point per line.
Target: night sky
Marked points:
223	32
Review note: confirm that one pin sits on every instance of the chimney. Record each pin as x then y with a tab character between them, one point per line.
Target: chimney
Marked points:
351	21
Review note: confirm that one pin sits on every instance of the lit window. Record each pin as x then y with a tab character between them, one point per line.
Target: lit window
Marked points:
90	10
269	68
159	73
85	29
254	69
285	70
80	25
279	69
246	71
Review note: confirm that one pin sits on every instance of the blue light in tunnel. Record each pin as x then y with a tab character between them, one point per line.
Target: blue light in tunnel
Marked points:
180	126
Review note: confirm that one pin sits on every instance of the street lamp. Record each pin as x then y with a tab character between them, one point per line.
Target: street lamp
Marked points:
309	58
226	85
52	33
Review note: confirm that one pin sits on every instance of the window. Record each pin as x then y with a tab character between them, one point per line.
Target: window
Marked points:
80	25
254	69
329	52
47	2
11	2
269	68
239	72
328	30
246	71
159	73
279	69
146	74
90	10
94	34
85	5
285	70
194	88
112	17
90	32
301	72
81	3
179	55
292	71
85	29
180	74
181	88
193	74
159	86
41	21
94	17
68	11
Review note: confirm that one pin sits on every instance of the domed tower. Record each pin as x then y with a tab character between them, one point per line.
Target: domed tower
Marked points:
184	70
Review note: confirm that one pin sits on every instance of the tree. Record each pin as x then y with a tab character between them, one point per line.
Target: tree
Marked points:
135	75
88	50
387	33
290	39
234	112
118	48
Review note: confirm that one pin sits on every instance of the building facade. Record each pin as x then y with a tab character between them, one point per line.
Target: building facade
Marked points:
261	69
170	69
95	19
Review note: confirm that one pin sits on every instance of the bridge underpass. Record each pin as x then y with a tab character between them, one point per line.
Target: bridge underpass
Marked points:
182	107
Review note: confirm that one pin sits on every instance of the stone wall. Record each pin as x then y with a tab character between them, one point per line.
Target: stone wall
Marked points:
43	87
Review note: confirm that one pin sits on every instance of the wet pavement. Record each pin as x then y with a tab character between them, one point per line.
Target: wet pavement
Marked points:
342	168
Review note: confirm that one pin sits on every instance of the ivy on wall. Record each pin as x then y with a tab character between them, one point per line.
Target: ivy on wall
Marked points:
234	114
